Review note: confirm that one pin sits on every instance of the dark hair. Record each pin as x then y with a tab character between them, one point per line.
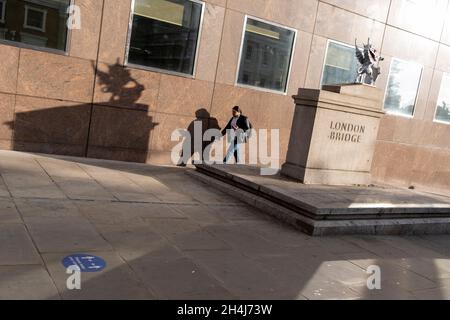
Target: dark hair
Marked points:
237	108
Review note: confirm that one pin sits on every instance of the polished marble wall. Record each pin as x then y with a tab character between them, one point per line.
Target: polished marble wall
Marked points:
86	103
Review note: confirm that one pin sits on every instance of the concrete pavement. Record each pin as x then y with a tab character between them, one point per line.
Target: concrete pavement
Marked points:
165	235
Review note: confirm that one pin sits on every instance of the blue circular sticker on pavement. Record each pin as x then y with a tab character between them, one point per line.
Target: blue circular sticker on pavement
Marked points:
86	262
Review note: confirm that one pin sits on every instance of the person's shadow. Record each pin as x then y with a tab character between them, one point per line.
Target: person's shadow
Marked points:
202	118
117	128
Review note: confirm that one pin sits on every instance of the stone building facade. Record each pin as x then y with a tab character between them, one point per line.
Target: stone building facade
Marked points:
88	100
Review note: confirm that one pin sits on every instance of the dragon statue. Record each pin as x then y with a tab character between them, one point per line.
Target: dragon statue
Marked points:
369	60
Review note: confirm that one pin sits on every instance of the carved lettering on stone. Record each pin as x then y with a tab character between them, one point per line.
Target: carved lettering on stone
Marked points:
346	132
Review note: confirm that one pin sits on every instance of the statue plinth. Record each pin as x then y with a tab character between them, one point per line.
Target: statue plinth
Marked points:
333	134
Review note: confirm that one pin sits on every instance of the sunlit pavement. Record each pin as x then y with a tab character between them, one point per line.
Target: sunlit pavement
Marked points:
165	235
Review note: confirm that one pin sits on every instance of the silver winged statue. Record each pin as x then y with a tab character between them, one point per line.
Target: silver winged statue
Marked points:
369	60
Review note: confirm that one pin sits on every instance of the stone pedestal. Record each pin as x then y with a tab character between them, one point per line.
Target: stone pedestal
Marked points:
333	135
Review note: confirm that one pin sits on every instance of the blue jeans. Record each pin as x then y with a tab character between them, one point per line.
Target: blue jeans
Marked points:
234	150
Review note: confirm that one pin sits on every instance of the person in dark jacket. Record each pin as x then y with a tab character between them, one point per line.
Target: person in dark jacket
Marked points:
237	131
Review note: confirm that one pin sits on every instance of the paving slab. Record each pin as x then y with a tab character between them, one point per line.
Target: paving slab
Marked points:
200	213
246	241
18	163
198	192
126	212
65	234
4	192
159	189
74	181
293	272
8	212
387	292
240	274
46	208
30	282
188	235
238	213
131	241
34	185
333	280
273	231
117	183
17	247
171	275
25	178
441	293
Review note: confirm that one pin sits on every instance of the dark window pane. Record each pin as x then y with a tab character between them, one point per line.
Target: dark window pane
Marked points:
41	23
2	11
35	18
165	34
267	64
341	65
248	54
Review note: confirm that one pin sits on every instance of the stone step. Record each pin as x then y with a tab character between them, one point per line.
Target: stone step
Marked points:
321	210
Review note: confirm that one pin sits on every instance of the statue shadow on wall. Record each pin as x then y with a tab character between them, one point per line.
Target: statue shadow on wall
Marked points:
117	129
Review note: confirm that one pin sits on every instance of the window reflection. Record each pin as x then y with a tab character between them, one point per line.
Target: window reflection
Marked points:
403	84
39	23
341	64
266	55
165	34
443	105
2	11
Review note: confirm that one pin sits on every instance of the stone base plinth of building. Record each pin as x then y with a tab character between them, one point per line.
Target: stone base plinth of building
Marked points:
333	135
320	210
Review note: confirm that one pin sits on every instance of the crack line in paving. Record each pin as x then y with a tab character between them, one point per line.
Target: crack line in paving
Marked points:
50	177
43	264
6	186
96	181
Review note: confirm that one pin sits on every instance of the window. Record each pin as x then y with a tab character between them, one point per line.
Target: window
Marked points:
164	34
35	18
248	54
403	84
266	56
39	23
281	62
2	11
443	103
268	64
341	65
